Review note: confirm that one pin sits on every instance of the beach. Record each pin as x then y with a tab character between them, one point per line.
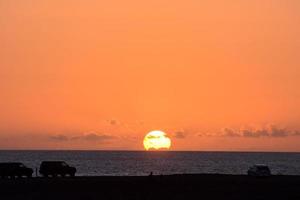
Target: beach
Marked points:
184	186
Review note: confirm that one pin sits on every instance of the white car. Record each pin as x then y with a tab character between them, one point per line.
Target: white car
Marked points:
259	170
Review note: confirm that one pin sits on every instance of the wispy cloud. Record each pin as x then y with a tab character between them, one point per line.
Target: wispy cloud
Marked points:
60	138
255	133
271	131
91	136
181	134
113	122
230	133
268	131
97	137
296	133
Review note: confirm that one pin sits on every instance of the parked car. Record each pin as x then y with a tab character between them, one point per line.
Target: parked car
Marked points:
56	168
14	169
259	170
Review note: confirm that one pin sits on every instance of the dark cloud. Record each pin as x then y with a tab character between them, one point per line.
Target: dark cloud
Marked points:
87	137
180	134
279	132
262	132
153	136
205	134
59	137
255	133
113	122
230	133
271	131
97	137
296	133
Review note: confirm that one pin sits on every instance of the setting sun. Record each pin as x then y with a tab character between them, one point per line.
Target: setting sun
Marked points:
156	140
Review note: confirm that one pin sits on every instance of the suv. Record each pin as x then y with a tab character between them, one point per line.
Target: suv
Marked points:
55	168
14	169
259	170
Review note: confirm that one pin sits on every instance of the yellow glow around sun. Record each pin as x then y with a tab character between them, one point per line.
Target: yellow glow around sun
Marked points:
156	140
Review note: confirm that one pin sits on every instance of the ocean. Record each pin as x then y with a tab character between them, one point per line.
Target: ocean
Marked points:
132	163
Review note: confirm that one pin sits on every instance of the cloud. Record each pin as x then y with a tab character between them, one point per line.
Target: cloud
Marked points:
296	133
97	137
206	134
113	122
153	136
279	132
230	133
180	134
92	136
255	133
270	131
59	137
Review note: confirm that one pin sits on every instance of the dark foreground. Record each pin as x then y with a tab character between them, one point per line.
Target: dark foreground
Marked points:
156	187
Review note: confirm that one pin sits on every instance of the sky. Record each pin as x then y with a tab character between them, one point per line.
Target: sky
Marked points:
215	75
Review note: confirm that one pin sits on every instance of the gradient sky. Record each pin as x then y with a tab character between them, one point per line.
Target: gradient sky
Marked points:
89	74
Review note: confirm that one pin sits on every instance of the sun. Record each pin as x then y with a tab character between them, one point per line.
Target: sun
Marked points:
156	140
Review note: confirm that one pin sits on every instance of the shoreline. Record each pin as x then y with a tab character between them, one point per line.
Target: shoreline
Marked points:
177	186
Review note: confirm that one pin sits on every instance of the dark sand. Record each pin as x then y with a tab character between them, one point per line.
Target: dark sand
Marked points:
156	187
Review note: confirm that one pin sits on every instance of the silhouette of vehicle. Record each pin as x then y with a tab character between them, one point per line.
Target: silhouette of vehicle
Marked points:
14	169
259	170
55	168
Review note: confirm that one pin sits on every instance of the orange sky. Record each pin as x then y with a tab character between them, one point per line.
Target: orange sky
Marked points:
87	74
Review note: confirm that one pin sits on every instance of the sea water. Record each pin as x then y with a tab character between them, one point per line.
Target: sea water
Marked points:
132	163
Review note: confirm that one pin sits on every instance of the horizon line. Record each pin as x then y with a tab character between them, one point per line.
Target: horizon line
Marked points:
119	150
